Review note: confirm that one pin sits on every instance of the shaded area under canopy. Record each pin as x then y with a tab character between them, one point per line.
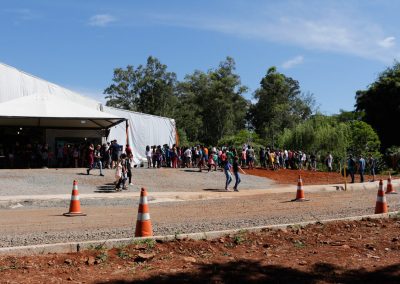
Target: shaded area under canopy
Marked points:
50	111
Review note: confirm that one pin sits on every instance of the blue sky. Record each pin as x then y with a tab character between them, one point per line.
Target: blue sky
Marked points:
333	48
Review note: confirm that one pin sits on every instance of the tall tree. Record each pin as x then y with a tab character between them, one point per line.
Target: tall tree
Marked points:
215	98
381	105
150	89
279	105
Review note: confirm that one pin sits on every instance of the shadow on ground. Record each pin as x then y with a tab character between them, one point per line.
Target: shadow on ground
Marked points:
193	171
106	188
215	189
255	272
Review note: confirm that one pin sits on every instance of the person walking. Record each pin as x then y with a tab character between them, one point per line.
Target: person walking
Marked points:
227	171
262	158
361	167
128	163
76	155
250	157
115	149
313	162
236	168
351	167
329	161
107	156
211	162
372	166
95	159
120	173
90	157
148	156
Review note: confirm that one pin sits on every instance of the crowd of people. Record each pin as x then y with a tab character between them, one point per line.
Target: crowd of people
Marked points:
231	160
110	155
28	156
39	155
210	158
359	166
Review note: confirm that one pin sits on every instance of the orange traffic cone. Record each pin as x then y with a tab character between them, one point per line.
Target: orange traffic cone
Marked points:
381	205
389	187
75	205
300	191
143	223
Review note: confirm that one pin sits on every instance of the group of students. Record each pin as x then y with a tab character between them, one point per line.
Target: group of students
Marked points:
121	162
360	165
203	157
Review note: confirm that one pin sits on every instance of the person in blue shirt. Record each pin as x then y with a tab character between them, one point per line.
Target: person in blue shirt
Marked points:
361	167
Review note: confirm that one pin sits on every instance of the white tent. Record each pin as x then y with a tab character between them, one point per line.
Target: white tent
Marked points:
15	83
25	98
47	110
143	130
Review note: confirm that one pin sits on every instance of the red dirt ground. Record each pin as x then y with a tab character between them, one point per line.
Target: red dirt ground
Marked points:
284	176
366	251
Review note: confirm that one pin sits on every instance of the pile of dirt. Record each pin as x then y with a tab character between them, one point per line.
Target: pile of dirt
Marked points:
285	176
366	251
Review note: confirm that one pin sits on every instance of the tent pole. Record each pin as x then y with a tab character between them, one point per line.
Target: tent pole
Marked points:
127	131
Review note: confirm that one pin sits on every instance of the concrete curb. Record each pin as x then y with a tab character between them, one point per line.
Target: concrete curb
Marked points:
87	245
197	195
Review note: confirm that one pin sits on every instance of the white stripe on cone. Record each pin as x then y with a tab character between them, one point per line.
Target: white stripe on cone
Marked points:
381	199
74	197
143	216
143	200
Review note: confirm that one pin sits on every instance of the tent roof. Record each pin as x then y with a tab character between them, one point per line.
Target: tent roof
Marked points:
15	83
48	110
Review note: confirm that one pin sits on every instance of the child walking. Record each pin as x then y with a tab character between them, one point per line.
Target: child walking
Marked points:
120	173
211	162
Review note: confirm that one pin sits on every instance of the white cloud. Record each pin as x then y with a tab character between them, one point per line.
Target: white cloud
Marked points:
293	62
388	42
101	20
333	29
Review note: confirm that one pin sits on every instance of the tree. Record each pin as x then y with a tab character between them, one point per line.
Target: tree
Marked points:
319	135
279	105
381	105
345	116
211	105
240	138
150	89
322	134
363	139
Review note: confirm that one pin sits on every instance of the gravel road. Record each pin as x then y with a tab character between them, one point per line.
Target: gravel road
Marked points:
59	181
36	217
23	226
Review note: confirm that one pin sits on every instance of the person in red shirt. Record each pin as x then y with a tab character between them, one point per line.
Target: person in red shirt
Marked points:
223	156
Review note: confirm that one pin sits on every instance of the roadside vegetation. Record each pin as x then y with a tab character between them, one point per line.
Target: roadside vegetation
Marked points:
210	109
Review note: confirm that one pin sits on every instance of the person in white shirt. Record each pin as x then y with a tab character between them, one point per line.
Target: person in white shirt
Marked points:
188	157
148	156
